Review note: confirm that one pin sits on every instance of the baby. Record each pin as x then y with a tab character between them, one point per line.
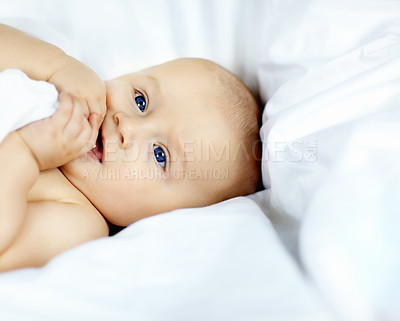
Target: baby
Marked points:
181	134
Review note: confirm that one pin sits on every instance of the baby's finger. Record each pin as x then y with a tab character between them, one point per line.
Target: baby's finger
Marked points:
98	106
64	111
77	121
94	131
85	107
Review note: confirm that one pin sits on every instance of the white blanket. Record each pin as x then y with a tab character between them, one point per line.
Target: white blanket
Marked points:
23	100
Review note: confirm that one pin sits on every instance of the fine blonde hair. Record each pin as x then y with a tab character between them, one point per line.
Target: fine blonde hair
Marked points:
243	116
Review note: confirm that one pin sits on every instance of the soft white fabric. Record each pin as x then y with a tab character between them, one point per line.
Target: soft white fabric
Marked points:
23	100
117	37
331	138
222	262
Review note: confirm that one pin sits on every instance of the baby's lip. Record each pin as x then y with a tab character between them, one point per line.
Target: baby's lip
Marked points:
97	150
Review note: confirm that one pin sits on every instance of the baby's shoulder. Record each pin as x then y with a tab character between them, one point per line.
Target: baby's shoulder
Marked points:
65	224
51	228
57	219
52	185
54	196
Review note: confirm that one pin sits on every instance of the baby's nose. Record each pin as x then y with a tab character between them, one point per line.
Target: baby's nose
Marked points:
126	128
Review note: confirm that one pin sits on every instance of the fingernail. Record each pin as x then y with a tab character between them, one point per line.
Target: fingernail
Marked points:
94	117
100	118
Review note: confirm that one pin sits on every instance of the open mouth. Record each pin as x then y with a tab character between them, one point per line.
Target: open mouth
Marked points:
97	150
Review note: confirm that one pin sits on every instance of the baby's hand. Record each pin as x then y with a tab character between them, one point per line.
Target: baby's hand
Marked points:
83	83
66	135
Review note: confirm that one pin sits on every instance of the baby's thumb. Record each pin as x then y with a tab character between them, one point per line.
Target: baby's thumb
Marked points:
94	120
98	107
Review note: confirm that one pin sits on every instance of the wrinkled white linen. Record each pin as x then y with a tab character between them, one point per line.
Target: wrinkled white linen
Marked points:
114	38
23	100
331	147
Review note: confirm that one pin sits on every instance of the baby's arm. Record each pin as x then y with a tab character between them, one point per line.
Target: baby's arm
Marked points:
45	144
38	59
18	172
43	61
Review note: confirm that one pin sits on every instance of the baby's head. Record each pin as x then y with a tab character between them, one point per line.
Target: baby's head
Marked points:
180	134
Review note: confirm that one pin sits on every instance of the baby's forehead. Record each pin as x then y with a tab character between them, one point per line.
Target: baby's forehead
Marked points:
192	69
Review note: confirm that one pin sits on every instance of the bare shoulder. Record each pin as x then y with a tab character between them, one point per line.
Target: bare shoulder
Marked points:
52	227
58	218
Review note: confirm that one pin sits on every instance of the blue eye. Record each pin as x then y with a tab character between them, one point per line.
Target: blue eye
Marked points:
140	102
160	156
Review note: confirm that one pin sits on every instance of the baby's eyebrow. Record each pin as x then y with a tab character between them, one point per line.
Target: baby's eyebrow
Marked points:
153	83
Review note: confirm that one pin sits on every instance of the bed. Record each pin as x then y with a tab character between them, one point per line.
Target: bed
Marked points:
320	242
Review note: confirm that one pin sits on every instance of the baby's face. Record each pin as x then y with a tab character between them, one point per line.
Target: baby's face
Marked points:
164	145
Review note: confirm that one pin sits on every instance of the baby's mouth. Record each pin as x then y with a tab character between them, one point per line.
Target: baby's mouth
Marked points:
97	150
